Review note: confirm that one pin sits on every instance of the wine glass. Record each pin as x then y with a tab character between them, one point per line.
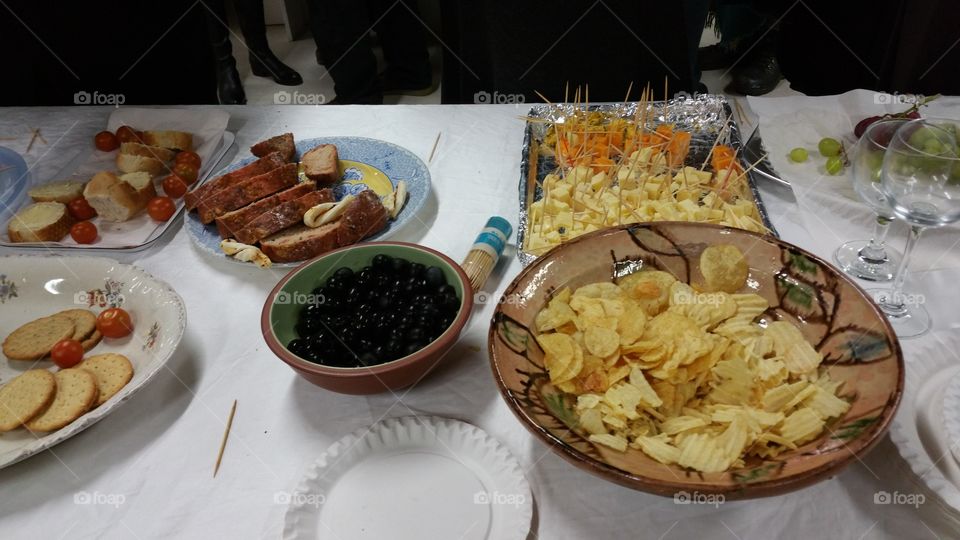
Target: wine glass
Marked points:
871	259
921	180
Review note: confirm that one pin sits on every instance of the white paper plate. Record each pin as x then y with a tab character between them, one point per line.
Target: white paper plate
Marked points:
917	429
34	286
951	414
412	477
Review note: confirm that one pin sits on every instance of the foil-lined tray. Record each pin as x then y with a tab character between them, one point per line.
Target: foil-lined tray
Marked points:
703	115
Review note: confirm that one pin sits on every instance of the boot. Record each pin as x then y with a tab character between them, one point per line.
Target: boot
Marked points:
759	73
229	87
263	63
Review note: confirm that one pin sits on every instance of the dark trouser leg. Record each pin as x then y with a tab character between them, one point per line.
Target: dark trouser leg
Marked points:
340	29
403	38
229	87
263	62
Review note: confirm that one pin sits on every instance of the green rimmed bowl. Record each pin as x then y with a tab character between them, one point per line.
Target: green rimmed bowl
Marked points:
290	295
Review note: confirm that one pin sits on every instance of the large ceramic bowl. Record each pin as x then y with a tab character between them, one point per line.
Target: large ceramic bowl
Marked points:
834	315
283	306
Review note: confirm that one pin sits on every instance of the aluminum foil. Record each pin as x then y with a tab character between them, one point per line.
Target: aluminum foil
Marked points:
703	115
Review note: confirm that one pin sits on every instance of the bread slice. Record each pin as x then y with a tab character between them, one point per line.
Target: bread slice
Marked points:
156	152
132	163
228	224
258	167
364	217
246	192
63	192
282	216
281	143
40	222
174	140
321	164
117	199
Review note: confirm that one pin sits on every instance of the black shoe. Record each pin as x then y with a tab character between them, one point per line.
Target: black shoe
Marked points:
229	87
758	74
716	56
394	87
264	63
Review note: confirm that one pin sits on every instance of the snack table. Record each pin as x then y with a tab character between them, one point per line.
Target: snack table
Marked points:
148	467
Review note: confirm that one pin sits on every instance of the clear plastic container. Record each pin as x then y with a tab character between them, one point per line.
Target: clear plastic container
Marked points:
14	182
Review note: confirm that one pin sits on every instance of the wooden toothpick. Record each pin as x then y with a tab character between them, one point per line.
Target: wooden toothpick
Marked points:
226	434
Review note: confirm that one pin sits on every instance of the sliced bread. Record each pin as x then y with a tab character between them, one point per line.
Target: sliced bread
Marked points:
133	163
281	143
228	224
258	167
321	164
282	216
40	222
156	152
117	199
174	140
246	192
63	192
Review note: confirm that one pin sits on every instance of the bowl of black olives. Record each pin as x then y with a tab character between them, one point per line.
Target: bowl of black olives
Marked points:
368	318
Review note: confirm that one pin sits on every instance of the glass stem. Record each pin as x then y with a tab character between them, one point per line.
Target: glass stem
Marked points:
894	304
875	252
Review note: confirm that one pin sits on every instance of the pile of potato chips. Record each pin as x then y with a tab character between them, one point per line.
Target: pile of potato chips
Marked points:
686	375
641	189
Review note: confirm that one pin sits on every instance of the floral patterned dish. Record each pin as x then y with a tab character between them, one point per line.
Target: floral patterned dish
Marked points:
36	286
834	315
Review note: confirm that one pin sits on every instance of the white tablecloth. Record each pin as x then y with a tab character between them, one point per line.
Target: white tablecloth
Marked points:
157	451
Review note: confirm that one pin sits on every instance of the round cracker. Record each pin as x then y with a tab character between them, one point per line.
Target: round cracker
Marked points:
91	341
112	371
34	340
25	396
84	320
76	394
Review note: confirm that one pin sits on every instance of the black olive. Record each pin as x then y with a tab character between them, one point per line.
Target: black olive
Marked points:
385	302
400	266
398	333
446	290
412	348
381	261
297	346
417	333
416	270
344	273
434	276
393	347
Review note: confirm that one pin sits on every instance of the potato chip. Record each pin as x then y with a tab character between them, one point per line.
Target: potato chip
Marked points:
592	421
724	268
613	441
648	288
658	449
563	357
601	341
801	426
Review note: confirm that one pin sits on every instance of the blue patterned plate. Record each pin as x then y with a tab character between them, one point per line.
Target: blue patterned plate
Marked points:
364	164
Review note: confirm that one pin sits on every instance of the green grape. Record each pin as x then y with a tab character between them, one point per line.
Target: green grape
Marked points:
798	155
829	147
834	165
920	136
933	146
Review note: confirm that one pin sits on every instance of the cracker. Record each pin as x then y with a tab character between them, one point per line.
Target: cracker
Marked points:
83	319
76	394
91	341
34	340
113	372
25	396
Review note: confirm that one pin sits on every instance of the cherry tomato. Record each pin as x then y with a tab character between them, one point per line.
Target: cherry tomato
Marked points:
67	353
186	171
161	208
190	158
174	186
114	323
81	210
127	134
106	141
83	232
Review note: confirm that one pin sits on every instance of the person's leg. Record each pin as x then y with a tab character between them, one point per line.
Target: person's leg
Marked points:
229	87
340	30
403	38
263	62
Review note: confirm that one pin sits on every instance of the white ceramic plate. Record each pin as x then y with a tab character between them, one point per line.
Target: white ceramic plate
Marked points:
412	477
211	142
917	429
951	414
34	286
